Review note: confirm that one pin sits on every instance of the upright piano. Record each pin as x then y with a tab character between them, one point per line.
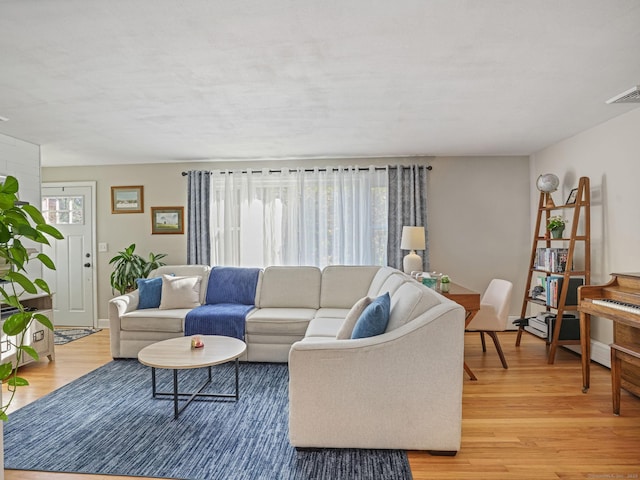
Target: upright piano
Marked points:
618	300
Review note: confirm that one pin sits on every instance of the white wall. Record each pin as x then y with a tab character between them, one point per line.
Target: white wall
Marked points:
22	160
477	210
609	155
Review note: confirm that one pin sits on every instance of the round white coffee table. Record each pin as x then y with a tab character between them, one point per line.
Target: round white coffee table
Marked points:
176	354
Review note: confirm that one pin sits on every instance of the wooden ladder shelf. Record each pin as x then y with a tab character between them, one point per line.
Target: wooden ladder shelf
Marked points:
578	215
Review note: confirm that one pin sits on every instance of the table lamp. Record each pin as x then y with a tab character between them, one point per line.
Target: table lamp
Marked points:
412	239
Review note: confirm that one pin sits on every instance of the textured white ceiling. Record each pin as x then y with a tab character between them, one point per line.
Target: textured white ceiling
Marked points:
136	81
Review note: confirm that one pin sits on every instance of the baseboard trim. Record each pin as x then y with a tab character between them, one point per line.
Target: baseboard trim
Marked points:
103	323
600	352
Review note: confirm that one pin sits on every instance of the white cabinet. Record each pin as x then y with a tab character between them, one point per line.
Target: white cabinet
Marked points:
37	336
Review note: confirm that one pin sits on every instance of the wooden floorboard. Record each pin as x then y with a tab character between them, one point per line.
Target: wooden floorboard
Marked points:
528	422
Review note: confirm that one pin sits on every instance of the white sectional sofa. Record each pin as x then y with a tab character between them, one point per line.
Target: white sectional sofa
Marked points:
131	329
292	299
401	389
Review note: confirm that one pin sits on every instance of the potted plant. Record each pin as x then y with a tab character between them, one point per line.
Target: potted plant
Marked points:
129	266
445	283
556	226
19	221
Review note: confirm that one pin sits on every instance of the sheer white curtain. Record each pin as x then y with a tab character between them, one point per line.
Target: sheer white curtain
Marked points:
299	217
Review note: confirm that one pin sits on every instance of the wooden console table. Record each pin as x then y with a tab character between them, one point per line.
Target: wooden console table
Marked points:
470	300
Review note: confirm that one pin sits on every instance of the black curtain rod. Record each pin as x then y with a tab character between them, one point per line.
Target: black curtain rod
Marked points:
429	167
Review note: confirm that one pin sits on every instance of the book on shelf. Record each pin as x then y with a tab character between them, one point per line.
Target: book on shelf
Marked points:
554	289
552	259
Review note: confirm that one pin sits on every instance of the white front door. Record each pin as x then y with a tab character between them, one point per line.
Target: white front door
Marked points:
70	209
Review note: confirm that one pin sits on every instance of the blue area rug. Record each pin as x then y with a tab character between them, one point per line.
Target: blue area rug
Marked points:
107	423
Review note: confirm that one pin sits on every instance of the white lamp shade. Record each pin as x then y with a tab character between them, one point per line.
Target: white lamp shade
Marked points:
412	238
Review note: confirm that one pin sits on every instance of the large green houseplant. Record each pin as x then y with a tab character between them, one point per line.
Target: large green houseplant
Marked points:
19	221
128	266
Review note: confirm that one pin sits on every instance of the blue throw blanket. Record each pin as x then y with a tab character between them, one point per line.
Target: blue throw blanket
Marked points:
221	319
231	294
232	285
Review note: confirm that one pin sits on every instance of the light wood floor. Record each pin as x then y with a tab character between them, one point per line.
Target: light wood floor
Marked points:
528	422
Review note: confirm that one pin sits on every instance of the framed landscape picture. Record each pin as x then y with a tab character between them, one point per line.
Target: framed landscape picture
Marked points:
127	199
167	220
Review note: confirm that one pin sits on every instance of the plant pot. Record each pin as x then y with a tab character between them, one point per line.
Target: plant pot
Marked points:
557	232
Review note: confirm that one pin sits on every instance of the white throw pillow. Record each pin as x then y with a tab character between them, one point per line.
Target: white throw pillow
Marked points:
180	292
352	317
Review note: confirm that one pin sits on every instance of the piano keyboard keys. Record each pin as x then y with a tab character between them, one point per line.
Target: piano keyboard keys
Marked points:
617	305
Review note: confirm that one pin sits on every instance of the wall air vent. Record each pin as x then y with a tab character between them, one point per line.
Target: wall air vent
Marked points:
630	96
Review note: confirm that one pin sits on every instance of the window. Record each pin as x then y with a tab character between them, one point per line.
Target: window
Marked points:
63	210
299	217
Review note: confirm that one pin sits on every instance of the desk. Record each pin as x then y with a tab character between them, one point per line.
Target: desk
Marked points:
470	300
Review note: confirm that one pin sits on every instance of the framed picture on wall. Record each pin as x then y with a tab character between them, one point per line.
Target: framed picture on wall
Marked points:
127	199
167	220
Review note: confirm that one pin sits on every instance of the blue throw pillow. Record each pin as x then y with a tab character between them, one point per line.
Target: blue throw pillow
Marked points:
374	319
150	290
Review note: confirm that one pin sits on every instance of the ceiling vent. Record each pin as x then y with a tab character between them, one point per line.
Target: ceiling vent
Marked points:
630	96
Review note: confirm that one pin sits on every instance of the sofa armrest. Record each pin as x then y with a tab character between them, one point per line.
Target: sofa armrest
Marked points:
401	389
125	303
118	306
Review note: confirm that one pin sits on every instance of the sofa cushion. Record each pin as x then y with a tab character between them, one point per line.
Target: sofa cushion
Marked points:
390	284
290	287
343	285
185	271
154	320
346	329
374	318
409	301
323	327
232	285
149	292
375	289
180	292
279	321
332	312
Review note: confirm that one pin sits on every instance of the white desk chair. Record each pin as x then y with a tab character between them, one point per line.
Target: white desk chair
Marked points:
493	314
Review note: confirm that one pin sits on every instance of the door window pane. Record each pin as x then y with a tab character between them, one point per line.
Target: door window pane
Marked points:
63	210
